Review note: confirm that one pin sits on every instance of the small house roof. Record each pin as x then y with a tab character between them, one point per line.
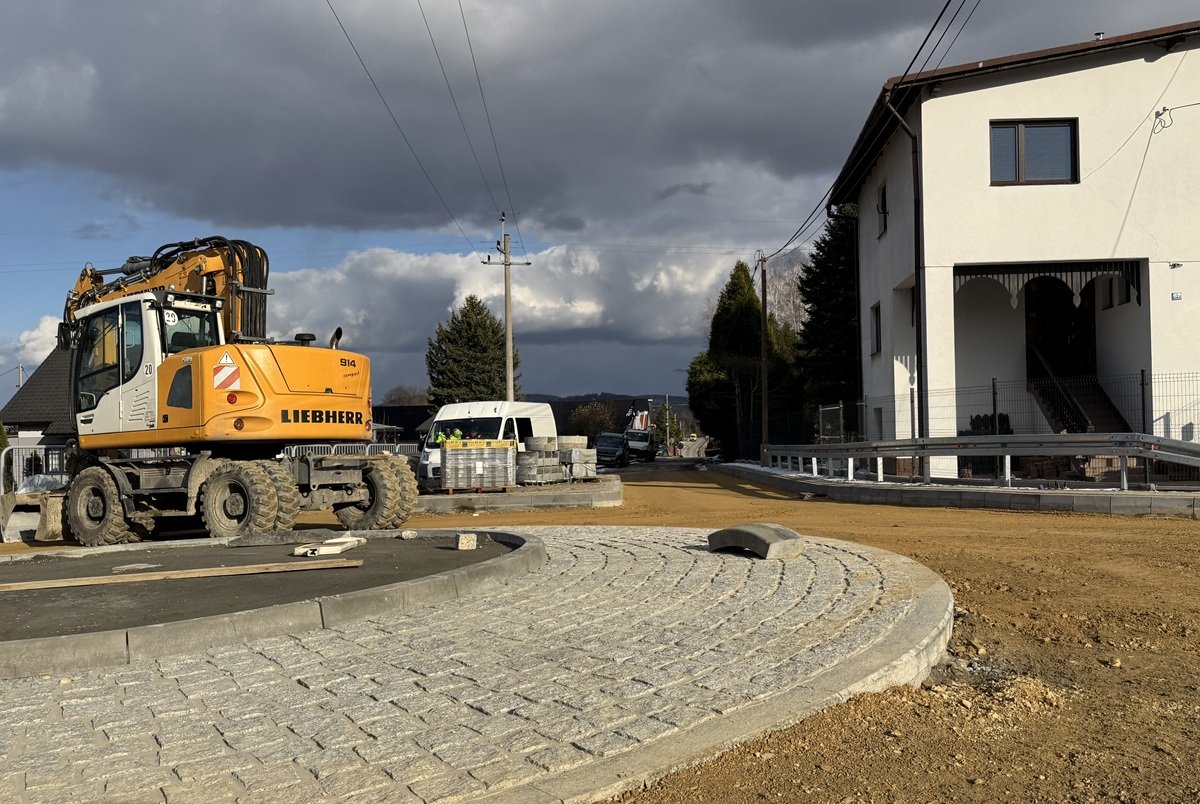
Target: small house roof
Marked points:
43	402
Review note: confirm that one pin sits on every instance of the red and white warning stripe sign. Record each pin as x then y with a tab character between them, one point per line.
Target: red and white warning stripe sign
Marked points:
227	378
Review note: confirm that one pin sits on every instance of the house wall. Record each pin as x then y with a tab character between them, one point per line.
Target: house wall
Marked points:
1130	202
886	278
1134	200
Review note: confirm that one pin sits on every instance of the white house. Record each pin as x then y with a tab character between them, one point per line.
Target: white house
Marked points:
1029	231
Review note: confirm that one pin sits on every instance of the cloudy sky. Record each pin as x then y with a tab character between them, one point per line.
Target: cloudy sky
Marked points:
644	147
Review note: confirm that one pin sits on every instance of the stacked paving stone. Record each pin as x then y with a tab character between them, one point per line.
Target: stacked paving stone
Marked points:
578	462
538	464
478	464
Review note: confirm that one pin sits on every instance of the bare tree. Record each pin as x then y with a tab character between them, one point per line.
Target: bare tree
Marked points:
406	395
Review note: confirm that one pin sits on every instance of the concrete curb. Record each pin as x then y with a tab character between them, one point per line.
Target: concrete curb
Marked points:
904	655
1101	501
601	492
71	652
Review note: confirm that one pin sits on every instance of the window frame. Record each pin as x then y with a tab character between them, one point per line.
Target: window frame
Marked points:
876	329
1020	126
881	209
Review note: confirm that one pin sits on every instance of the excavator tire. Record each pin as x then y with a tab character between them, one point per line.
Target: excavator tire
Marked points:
408	489
383	501
238	499
286	493
94	511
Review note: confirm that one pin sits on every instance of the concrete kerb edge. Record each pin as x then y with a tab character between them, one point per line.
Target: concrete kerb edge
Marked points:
71	652
1118	503
904	655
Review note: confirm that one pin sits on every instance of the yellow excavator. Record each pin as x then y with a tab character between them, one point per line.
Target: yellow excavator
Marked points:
184	406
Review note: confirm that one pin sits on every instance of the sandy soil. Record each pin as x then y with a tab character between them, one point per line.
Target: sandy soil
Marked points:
1072	675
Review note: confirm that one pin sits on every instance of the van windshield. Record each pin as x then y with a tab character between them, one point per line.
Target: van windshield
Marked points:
610	440
447	429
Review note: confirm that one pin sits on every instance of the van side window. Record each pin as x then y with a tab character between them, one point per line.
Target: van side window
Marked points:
510	430
524	427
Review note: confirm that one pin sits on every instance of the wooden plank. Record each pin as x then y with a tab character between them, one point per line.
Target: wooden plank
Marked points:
171	575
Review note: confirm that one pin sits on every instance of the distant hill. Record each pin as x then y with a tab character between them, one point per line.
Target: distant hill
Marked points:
659	399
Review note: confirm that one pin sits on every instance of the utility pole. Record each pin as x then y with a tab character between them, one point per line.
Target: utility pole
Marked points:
762	265
20	375
503	247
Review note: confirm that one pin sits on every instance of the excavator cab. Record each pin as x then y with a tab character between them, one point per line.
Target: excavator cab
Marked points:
121	345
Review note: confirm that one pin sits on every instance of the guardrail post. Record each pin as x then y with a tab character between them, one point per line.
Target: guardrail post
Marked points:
849	468
1124	473
814	465
1008	471
879	468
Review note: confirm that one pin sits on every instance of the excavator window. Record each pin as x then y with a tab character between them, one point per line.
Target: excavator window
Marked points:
132	340
98	370
188	329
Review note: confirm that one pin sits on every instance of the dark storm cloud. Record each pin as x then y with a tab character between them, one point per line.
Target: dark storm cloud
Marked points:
259	113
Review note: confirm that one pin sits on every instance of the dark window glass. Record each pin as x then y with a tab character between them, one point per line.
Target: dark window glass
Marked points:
132	339
180	394
1034	152
1004	153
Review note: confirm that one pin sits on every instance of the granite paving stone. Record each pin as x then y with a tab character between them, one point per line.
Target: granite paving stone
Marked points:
627	639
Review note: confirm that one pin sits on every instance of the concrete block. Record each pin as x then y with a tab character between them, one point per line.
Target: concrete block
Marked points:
62	654
466	541
1172	505
400	597
1091	503
1127	504
764	539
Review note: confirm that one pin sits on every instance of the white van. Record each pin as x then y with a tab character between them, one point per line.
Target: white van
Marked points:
488	420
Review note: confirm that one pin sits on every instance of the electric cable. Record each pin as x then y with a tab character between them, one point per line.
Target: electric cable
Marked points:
961	28
400	129
457	110
499	162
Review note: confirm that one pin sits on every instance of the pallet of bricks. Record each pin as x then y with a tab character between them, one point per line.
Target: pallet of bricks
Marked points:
478	464
538	464
578	462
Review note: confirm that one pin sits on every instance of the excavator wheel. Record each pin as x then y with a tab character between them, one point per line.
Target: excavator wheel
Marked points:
408	489
238	499
383	500
94	511
286	492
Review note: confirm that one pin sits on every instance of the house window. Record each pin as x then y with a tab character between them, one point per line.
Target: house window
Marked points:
876	330
1035	152
881	208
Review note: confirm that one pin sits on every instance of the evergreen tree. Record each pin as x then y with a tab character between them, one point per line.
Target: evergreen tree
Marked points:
829	351
465	359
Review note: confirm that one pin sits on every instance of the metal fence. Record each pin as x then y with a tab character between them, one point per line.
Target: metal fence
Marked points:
18	464
1165	405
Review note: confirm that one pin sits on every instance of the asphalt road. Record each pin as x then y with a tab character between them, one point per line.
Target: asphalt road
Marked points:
82	609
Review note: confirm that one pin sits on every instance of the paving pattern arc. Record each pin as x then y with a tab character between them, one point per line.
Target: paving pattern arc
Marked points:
632	652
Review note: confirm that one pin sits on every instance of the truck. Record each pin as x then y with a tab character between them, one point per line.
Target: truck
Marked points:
488	419
183	406
641	444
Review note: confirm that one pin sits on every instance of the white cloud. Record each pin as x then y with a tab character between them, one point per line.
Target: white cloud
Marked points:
34	344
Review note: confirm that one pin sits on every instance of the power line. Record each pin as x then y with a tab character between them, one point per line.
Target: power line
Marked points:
399	128
961	28
458	111
820	204
504	178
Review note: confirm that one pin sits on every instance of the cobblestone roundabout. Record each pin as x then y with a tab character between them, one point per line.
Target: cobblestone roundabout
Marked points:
630	651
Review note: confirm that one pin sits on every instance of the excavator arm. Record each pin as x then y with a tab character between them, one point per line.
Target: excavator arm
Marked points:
234	271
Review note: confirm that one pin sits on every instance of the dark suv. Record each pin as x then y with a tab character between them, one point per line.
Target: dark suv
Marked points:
612	449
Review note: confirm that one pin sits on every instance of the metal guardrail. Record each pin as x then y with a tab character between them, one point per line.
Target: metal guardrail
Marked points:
1004	447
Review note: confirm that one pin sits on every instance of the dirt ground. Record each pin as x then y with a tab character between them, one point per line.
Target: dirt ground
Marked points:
1072	673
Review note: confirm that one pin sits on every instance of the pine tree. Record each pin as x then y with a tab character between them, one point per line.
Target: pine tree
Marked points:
829	335
465	359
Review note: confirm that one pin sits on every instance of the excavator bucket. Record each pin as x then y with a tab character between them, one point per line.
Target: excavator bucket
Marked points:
29	517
